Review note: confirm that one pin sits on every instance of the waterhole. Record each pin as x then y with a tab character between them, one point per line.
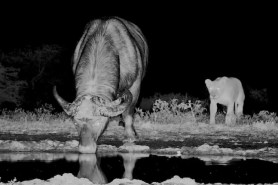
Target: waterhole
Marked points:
103	168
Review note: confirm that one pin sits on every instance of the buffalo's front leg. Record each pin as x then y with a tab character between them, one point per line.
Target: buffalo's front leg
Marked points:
128	114
129	128
130	132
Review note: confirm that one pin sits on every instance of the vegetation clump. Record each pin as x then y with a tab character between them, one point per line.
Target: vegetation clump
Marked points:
43	114
167	111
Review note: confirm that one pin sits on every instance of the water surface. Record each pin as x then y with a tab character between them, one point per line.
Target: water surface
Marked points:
103	168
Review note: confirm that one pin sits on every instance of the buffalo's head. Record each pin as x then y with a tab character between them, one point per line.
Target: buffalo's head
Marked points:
90	115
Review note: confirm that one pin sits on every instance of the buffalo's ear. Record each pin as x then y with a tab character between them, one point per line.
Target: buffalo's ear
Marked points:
115	107
208	83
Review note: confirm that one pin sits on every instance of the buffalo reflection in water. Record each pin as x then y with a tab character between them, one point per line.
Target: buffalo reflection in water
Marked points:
90	169
90	166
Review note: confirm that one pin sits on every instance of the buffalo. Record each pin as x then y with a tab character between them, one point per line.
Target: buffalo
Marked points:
109	63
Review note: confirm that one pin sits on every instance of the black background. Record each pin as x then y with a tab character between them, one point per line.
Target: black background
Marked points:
187	43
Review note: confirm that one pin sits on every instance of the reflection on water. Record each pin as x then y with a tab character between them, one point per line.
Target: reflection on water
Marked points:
103	168
90	167
47	165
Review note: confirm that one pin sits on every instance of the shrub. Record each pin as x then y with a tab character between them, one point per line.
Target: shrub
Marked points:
146	104
173	111
185	110
165	112
42	114
265	116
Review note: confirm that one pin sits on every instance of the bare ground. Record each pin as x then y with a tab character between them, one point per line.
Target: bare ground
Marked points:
199	139
169	138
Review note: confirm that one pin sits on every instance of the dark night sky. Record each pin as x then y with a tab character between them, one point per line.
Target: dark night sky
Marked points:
187	45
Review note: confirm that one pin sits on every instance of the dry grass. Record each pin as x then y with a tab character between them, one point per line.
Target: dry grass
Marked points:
172	116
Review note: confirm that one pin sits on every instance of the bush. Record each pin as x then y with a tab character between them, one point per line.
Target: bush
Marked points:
173	111
265	116
146	104
42	114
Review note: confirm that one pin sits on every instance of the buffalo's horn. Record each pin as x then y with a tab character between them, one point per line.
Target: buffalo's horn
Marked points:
63	103
116	107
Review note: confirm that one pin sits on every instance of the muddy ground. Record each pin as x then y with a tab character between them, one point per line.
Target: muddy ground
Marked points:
167	140
170	138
